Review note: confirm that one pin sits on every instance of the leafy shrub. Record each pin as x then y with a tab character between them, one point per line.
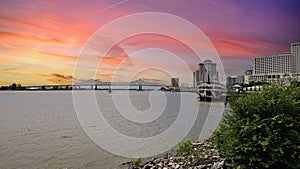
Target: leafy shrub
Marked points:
262	129
137	161
185	148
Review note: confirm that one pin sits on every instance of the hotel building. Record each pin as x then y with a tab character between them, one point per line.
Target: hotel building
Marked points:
269	67
276	66
271	64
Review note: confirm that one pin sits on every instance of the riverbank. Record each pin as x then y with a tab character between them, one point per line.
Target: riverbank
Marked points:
204	155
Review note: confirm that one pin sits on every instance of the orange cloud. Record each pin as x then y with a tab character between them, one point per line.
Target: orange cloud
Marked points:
36	51
113	59
57	78
107	77
233	48
12	36
155	41
66	29
12	70
239	47
6	62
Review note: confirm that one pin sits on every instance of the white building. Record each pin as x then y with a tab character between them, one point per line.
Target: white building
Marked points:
240	79
275	64
269	68
295	57
248	76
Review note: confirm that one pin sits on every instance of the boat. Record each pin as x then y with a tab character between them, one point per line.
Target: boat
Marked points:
211	91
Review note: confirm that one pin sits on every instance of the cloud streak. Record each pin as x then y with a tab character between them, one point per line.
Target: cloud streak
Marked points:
56	78
13	70
113	5
18	36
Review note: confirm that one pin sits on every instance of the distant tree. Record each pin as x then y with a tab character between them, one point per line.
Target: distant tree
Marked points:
43	87
14	86
4	88
252	83
19	87
265	77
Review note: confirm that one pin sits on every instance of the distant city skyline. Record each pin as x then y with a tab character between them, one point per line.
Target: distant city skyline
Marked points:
40	40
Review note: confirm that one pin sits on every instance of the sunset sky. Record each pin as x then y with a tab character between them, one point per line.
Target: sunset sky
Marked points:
41	40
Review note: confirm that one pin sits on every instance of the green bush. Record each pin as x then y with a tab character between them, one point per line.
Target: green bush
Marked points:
185	148
262	129
137	161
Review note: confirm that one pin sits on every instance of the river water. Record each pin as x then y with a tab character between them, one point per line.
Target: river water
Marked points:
40	129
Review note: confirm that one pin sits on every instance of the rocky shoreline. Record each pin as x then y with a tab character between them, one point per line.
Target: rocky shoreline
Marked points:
204	156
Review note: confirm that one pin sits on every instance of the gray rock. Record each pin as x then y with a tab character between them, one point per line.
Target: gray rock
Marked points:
220	165
148	166
156	160
200	167
215	157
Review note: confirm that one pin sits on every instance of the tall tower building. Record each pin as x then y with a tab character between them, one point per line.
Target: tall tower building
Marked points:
196	78
208	72
295	57
175	82
202	73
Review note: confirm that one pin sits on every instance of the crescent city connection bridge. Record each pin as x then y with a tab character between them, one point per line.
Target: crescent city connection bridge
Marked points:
99	85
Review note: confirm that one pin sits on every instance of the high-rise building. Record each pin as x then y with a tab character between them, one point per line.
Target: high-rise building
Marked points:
231	80
295	57
196	78
267	68
281	64
211	69
207	72
248	76
240	79
202	73
275	64
248	72
175	82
